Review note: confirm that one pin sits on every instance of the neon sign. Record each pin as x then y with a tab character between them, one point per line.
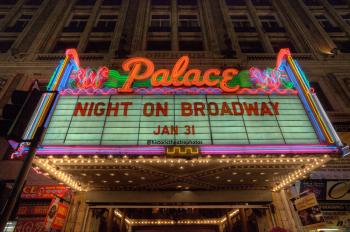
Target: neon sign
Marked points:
134	111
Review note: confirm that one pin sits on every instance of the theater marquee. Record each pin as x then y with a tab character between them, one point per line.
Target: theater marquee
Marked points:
144	110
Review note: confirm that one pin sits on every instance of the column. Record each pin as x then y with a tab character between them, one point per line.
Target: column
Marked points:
110	219
208	26
141	25
84	37
174	26
11	14
244	220
118	30
263	36
229	27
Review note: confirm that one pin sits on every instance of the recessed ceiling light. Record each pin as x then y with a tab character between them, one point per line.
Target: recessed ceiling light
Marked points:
143	178
126	174
248	173
98	174
91	181
234	173
218	177
229	180
275	173
130	181
83	174
187	188
111	174
117	181
267	180
254	180
262	173
241	180
179	186
104	181
181	167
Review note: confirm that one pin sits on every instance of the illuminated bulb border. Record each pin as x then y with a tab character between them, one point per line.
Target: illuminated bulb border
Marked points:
59	175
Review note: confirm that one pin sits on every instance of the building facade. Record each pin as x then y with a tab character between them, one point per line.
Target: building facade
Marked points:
34	35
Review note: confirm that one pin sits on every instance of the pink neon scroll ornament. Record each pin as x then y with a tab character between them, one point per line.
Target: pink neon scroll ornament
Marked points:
282	54
73	54
88	78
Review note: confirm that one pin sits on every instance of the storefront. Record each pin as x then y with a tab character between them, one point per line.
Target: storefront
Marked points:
124	139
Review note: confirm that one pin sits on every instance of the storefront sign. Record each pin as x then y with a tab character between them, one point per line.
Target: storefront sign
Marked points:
30	224
43	191
338	190
309	211
30	210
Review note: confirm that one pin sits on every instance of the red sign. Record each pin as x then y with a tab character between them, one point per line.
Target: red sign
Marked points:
27	210
56	215
30	224
43	191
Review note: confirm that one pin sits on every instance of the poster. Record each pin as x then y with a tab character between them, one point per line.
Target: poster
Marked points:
30	225
338	190
309	211
56	215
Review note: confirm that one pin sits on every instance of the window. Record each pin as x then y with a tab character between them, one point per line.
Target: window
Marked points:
277	45
262	2
235	2
270	23
160	23
321	96
337	2
191	45
312	2
97	46
161	45
346	18
112	2
187	2
77	23
20	23
251	47
343	46
85	2
5	45
8	2
189	23
160	2
61	46
105	23
33	2
326	23
242	23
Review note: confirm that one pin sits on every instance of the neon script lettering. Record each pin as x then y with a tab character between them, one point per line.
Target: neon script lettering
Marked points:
141	68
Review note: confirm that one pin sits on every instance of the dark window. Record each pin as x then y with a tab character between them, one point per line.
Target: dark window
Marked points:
189	23
105	23
346	18
77	23
235	2
343	46
8	2
97	46
61	46
251	47
160	23
321	96
20	24
277	45
2	16
85	2
33	2
337	2
262	2
5	45
312	2
161	2
327	24
242	23
187	2
112	2
270	23
164	45
188	45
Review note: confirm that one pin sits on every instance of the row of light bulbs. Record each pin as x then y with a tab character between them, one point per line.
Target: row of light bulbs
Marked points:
59	175
179	222
296	175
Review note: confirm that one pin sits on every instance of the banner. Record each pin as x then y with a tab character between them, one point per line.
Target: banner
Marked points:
43	191
309	211
338	190
56	215
29	210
